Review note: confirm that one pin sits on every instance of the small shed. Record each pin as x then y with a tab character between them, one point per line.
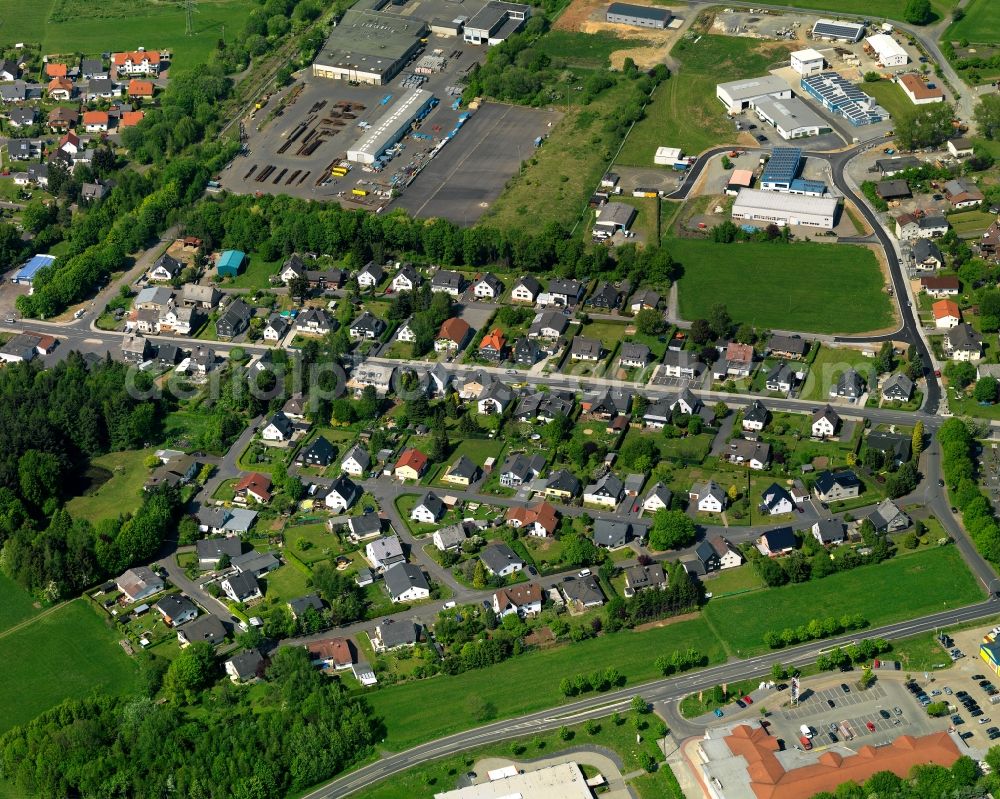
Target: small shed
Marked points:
230	263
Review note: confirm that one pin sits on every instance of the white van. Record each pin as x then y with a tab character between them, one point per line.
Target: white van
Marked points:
806	730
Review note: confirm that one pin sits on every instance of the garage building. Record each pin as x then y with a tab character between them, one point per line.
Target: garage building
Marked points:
781	208
613	217
792	118
639	16
887	50
808	62
369	46
838	31
737	95
391	126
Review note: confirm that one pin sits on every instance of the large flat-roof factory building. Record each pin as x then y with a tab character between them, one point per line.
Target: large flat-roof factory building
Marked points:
391	126
495	21
779	208
639	16
738	95
369	46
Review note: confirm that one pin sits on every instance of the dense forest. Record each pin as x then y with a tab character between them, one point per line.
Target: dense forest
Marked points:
53	422
300	729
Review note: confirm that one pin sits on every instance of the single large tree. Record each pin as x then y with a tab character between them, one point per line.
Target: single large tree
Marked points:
671	529
918	12
987	115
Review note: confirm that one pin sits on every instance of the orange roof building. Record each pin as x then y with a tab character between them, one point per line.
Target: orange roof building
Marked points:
946	313
412	462
540	520
60	85
130	119
136	57
918	90
53	70
98	119
493	341
454	330
140	88
767	777
256	485
335	652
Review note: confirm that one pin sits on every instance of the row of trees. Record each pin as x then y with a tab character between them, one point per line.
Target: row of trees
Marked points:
814	630
957	462
680	596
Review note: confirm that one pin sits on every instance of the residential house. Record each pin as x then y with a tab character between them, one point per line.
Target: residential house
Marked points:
835	486
405	332
370	276
606	492
331	653
755	454
658	498
562	484
888	518
92	192
92	68
453	335
493	346
849	386
548	325
709	497
406	279
963	343
583	592
255	487
234	320
219	520
927	256
428	510
897	388
406	583
641	578
137	62
450	537
539	520
256	563
643	300
198	296
277	327
314	322
756	416
495	398
526	289
946	314
247	666
278	428
211	551
703	560
202	359
342	494
61	119
563	293
775	543
24	149
736	362
825	422
462	472
527	352
242	587
206	628
960	147
776	501
394	635
633	356
612	533
139	583
60	89
940	287
165	268
524	600
364	527
829	531
893	190
607	404
21	117
790	347
963	193
9	70
356	462
135	349
101	89
411	465
140	89
605	297
17	92
367	327
384	552
687	403
446	282
319	453
586	349
95	121
521	468
680	363
729	556
378	376
987	246
487	287
500	560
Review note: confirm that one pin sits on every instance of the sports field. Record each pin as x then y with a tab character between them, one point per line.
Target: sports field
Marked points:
813	288
67	653
93	27
981	23
902	588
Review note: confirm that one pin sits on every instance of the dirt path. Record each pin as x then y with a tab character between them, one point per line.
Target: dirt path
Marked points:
32	620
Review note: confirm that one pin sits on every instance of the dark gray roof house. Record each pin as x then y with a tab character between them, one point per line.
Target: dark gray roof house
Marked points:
605	296
301	604
447	281
501	559
211	550
398	633
319	453
634	355
234	319
245	666
888	518
828	531
583	591
404	577
526	351
963	341
562	481
586	349
639	578
611	533
894	445
204	628
849	385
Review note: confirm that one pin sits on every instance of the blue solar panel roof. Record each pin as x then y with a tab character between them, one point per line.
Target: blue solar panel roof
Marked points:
784	165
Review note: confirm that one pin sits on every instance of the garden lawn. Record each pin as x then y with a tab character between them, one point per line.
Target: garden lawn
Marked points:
689	450
814	288
427	709
972	221
16	604
900	588
68	654
321	543
287	582
120	493
981	23
684	111
256	275
733	581
829	365
476	450
890	97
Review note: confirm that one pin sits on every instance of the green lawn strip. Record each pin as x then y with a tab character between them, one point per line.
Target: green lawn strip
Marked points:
923	652
734	581
443	775
256	275
226	492
16	604
68	654
830	364
427	709
121	492
694	705
286	582
981	24
965	222
903	587
890	97
767	286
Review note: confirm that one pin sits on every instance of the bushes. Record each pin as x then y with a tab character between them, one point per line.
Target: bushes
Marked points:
957	450
815	630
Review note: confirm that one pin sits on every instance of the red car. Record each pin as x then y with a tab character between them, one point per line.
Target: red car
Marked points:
806	743
748	700
870	726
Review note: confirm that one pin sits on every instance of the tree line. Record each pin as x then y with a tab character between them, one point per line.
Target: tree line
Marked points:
958	449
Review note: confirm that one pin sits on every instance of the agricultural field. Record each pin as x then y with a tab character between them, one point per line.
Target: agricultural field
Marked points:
69	653
116	481
909	586
94	27
426	709
981	24
785	287
16	605
890	9
684	111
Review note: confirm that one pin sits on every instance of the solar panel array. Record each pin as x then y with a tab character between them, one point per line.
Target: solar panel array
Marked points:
783	165
840	95
813	187
829	29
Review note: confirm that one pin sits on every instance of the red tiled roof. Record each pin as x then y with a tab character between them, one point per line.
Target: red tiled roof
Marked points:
60	83
940	283
136	57
95	117
54	70
943	308
337	650
494	339
130	118
413	458
519	595
140	88
543	514
454	330
739	352
918	88
259	483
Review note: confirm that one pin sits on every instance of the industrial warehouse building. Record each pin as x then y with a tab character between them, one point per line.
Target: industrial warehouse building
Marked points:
919	91
780	208
613	217
839	95
808	62
837	31
495	22
792	118
782	168
887	50
391	126
737	95
639	16
25	276
369	45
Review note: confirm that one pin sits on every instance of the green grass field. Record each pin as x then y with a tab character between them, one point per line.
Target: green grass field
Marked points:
889	96
16	604
122	493
426	709
904	587
815	288
891	9
157	25
980	24
971	221
587	50
68	654
685	112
